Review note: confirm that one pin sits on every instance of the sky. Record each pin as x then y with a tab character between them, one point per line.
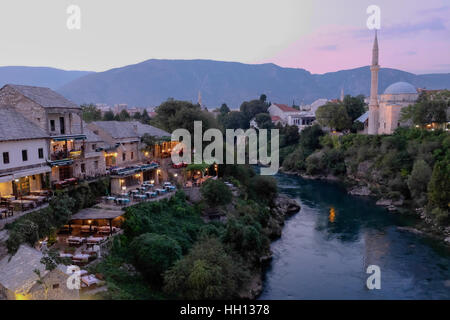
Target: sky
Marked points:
317	35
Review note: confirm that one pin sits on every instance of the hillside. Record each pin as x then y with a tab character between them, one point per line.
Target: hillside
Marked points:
38	76
153	81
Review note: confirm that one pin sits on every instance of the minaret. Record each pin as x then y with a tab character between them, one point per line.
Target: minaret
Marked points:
342	94
200	99
373	104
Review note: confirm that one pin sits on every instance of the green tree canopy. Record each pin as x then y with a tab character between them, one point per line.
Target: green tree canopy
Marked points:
154	254
215	192
334	116
90	112
264	121
108	116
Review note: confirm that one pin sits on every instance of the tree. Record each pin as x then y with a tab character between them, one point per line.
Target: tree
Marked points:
233	120
250	109
426	111
224	109
334	116
263	189
355	106
215	192
263	97
123	115
108	116
154	254
174	114
289	135
137	116
439	186
264	121
419	179
90	112
206	272
145	118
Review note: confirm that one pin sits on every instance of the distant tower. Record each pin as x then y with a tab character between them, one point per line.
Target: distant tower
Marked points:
200	98
373	104
342	94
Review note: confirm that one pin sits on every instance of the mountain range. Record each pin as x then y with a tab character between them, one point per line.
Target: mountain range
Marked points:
153	81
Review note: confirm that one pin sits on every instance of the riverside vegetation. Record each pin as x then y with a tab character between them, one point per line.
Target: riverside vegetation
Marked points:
168	250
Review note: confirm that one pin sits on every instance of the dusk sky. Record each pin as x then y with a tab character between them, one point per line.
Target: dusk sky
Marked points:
317	35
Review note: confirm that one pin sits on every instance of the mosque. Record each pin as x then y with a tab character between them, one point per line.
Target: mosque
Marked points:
383	116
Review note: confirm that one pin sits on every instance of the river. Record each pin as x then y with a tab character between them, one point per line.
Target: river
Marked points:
325	249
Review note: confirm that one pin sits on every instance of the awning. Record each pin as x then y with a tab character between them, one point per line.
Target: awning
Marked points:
31	172
7	178
70	137
64	162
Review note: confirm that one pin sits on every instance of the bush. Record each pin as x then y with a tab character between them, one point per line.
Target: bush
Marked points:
263	189
216	193
206	272
439	186
419	178
154	254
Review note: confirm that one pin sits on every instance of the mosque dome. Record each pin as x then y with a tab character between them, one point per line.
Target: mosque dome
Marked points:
400	88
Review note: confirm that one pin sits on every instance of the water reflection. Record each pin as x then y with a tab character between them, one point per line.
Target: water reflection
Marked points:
326	248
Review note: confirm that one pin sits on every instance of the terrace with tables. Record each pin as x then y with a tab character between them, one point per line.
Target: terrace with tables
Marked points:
16	205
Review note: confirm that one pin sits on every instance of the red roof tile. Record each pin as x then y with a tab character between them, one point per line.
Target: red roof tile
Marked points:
285	108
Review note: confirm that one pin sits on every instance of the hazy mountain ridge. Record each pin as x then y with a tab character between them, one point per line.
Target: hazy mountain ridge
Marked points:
38	76
153	81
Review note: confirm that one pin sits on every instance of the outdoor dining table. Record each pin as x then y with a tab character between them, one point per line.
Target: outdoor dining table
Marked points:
124	195
81	257
94	240
151	194
149	185
25	204
38	199
90	280
170	188
75	240
123	200
65	255
160	190
140	196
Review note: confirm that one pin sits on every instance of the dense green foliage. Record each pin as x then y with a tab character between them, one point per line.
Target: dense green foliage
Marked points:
90	113
412	165
429	108
207	272
216	193
43	223
174	114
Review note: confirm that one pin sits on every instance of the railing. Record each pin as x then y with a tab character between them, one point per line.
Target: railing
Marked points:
60	155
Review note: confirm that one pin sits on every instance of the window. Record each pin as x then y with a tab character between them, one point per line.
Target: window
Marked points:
52	125
83	168
62	125
96	165
24	155
5	157
41	153
55	286
132	155
124	156
94	146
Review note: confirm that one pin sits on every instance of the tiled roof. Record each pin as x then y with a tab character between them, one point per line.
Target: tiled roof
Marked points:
17	272
44	96
285	108
14	126
129	129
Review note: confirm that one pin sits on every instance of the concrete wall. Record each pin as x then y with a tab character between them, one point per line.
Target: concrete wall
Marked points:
15	153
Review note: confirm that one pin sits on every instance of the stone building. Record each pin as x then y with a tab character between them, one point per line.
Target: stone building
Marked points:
23	155
57	116
384	110
19	281
128	163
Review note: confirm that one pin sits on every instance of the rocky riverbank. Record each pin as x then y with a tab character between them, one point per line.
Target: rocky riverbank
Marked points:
359	187
283	208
